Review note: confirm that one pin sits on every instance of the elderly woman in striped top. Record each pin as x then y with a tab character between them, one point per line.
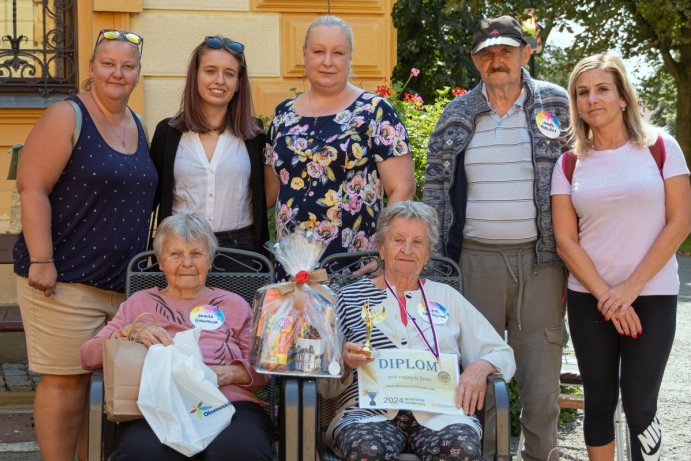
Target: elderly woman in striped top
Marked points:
406	236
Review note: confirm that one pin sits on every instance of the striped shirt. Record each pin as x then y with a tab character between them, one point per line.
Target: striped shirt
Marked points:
501	178
466	333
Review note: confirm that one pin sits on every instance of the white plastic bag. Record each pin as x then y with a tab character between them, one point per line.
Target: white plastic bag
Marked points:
179	395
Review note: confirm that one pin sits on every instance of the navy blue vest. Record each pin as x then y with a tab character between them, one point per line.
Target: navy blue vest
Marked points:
101	206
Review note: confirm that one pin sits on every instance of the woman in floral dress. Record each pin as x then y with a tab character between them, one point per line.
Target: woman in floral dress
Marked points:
335	150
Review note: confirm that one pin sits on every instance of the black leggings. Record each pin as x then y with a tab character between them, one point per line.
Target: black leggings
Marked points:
601	352
249	437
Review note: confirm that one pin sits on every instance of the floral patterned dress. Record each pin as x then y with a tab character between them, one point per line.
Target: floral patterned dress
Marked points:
327	166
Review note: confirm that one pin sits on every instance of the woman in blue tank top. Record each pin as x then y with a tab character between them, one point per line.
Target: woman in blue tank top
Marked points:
86	183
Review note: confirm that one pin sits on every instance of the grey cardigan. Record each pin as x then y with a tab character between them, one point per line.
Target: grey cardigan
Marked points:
445	180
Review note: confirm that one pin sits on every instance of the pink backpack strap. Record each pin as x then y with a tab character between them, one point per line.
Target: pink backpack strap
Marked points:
568	164
658	152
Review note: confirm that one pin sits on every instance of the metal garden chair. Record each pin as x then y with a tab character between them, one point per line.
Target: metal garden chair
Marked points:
317	413
142	273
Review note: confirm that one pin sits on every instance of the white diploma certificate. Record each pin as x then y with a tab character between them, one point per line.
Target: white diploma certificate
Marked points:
403	379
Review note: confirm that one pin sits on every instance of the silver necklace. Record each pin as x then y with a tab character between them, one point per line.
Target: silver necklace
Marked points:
315	117
122	138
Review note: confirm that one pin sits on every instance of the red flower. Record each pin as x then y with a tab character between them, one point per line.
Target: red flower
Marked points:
383	91
456	92
414	98
302	277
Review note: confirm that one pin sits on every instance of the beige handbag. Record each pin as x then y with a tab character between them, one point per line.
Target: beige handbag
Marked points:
123	360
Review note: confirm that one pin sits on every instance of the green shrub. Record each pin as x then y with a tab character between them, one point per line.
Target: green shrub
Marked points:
419	119
566	415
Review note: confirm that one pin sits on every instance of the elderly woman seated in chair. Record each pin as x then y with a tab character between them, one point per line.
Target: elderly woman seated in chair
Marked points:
184	246
406	236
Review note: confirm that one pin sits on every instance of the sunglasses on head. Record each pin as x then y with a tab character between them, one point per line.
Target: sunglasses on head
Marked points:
115	34
217	42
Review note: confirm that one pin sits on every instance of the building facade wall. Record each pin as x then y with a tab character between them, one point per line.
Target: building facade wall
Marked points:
272	31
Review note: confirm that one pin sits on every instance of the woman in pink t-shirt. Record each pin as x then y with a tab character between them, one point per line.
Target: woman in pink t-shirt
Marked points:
185	246
618	220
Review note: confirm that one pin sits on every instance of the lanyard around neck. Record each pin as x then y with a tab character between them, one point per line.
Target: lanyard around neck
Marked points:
435	350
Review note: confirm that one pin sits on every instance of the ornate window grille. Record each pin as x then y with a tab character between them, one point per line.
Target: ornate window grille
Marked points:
38	48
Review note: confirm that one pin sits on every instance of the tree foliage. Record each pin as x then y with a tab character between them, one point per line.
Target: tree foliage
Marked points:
435	41
658	31
554	65
659	94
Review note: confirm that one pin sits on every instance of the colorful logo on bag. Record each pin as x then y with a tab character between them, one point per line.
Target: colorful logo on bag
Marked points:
199	409
207	317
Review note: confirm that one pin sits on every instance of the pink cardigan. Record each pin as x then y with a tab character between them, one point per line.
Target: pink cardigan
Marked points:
228	344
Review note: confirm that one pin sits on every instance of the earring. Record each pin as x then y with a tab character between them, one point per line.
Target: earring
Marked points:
580	116
623	109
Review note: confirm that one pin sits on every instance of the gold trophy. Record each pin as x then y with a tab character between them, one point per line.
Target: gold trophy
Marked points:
371	316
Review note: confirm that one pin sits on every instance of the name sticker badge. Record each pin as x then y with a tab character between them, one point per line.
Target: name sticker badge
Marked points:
207	317
440	314
548	124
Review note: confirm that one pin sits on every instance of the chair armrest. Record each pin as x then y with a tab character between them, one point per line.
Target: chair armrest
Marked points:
96	390
102	432
494	417
309	419
290	442
501	396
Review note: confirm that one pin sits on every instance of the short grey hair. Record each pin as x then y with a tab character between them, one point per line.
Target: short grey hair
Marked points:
330	21
409	209
190	227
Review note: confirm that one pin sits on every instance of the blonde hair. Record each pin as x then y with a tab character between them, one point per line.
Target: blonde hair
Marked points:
86	84
640	132
330	21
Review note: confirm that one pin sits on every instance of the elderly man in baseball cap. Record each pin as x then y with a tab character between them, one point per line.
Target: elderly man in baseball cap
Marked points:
488	174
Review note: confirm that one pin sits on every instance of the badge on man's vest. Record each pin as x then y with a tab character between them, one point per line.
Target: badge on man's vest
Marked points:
548	124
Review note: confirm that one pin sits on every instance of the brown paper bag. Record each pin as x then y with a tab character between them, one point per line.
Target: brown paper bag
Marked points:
122	372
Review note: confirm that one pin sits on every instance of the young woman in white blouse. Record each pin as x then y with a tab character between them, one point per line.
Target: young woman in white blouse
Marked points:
209	155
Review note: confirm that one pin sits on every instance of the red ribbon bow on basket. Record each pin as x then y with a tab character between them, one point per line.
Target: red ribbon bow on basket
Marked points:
311	278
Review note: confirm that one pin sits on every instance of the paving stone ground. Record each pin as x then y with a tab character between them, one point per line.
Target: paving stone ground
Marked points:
16	427
17	378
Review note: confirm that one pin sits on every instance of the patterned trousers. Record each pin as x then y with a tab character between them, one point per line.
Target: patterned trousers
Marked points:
385	440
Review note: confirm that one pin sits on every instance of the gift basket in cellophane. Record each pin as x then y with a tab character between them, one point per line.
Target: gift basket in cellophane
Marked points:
295	322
